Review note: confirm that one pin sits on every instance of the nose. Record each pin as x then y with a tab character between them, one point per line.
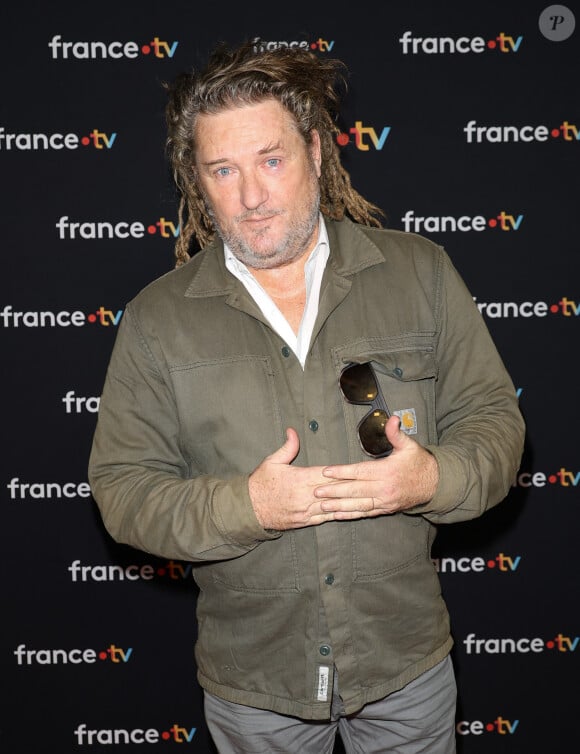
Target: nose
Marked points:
253	192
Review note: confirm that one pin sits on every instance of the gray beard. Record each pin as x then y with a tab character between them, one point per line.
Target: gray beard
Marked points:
290	248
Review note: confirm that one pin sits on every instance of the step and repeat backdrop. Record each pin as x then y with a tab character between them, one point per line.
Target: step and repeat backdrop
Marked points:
462	121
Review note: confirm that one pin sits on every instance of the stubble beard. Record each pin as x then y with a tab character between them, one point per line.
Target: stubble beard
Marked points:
293	244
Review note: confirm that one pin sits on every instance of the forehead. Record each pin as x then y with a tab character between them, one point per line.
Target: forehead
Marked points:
252	126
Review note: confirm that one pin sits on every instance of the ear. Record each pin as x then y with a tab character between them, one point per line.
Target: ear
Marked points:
316	151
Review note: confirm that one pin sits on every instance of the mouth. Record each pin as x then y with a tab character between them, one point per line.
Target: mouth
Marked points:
258	220
253	218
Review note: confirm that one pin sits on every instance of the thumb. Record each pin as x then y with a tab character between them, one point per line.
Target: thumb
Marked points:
288	452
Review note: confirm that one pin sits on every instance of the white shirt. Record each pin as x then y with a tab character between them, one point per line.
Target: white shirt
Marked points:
313	271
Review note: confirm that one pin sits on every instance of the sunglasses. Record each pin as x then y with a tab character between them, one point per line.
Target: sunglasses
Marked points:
359	385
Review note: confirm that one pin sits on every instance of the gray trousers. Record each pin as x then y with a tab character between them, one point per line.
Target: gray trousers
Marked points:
418	719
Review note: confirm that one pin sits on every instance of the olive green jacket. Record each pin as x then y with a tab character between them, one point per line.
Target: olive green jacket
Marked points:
200	390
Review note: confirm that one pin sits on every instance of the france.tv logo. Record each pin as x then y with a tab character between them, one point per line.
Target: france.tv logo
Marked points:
507	134
364	137
318	45
155	48
565	307
452	45
25	142
122	229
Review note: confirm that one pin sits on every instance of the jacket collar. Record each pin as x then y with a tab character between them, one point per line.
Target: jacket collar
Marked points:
351	250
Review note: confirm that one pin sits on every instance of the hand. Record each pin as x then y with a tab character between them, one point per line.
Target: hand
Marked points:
407	477
283	495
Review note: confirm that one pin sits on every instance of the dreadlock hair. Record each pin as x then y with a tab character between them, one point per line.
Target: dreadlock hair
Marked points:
305	84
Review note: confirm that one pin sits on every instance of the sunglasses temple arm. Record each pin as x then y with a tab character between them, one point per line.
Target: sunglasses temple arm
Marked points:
380	401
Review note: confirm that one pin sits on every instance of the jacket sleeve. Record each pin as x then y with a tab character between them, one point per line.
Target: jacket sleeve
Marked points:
480	427
147	495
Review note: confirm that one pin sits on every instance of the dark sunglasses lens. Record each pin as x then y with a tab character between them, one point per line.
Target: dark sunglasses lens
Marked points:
371	431
358	384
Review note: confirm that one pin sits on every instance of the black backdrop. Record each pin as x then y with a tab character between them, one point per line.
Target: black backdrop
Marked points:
462	122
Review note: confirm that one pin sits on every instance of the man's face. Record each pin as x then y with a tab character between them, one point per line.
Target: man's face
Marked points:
260	182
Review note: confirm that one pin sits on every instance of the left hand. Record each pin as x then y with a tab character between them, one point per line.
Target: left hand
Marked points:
407	477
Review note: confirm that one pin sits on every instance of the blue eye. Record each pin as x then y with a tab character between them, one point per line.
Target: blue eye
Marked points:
223	171
273	162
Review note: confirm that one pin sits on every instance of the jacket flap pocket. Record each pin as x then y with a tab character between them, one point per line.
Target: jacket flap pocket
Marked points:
404	362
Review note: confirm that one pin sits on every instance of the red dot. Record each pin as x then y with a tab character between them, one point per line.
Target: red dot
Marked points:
151	229
92	317
492	223
161	571
342	140
489	727
85	141
555	132
165	735
550	644
491	563
492	44
102	655
145	49
552	479
313	46
554	308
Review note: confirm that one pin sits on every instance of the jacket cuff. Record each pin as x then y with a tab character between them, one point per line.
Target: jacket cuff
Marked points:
451	487
235	515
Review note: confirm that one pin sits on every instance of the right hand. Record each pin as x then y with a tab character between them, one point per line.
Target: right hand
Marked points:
283	495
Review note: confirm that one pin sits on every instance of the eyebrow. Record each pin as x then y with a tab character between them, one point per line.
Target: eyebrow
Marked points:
265	150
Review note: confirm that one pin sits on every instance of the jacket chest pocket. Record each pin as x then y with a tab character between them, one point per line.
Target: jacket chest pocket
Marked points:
406	372
229	413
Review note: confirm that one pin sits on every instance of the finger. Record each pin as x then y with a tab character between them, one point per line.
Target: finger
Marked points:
353	515
353	471
322	518
340	490
348	505
348	471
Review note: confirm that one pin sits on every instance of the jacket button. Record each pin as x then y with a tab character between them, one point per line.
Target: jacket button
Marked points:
285	351
324	650
398	372
313	425
329	579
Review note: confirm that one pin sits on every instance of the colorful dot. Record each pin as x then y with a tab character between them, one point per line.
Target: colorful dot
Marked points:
92	317
489	727
161	572
342	140
85	141
550	644
151	229
145	49
554	308
492	223
166	735
555	132
492	44
102	655
491	563
313	45
552	479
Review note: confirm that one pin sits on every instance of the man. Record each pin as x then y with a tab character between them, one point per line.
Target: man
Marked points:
244	424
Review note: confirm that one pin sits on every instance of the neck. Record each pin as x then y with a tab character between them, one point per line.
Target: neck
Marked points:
286	286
